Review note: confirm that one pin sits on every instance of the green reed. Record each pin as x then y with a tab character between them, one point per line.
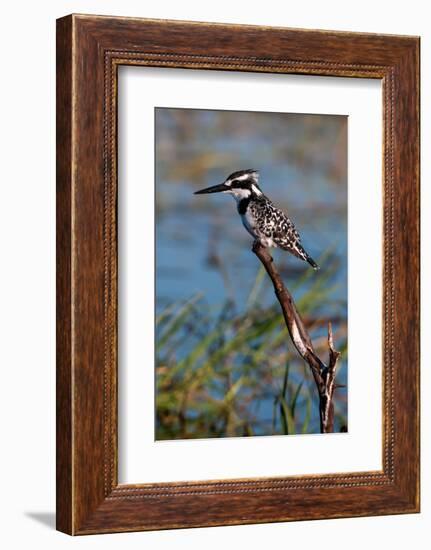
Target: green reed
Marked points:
223	373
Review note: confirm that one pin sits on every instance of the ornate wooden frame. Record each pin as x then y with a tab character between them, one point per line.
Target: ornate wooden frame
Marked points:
89	51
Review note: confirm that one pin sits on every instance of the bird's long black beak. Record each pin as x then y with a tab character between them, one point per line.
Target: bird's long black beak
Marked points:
213	189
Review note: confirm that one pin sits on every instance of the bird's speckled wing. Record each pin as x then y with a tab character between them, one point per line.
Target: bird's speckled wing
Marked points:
272	223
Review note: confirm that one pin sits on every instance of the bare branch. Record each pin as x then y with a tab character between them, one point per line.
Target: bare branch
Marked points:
324	375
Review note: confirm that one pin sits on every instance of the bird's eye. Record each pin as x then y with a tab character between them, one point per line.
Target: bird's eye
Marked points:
235	182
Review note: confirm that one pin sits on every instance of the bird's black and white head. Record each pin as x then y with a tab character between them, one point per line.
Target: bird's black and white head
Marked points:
241	185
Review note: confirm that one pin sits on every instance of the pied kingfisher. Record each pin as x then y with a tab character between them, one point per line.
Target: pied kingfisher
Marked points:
264	221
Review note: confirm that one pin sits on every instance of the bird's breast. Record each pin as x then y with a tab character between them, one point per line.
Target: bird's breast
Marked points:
243	205
249	221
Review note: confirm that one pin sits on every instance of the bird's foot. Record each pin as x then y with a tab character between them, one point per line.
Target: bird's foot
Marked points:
259	248
256	245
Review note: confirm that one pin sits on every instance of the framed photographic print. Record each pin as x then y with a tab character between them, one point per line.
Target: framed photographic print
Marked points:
237	274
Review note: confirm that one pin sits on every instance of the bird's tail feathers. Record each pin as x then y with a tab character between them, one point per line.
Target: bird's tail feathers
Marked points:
312	263
301	253
298	250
